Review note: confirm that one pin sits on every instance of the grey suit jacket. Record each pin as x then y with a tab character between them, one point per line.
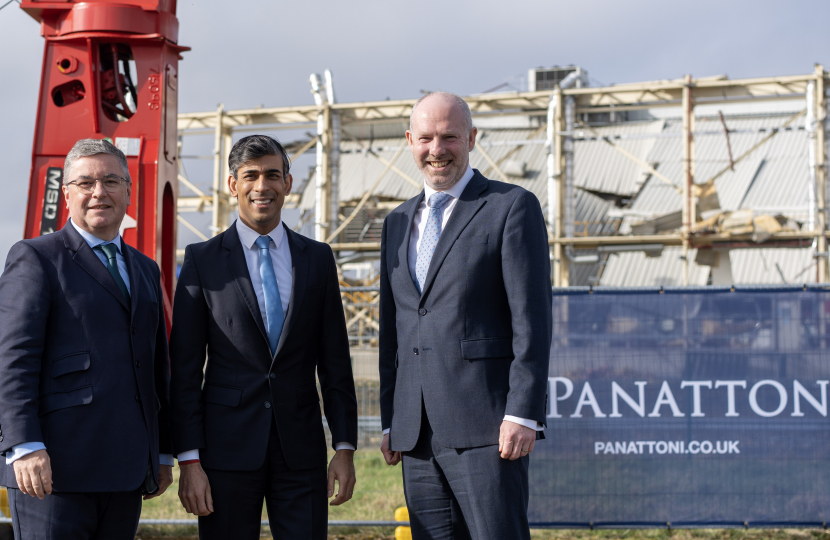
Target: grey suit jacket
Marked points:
475	345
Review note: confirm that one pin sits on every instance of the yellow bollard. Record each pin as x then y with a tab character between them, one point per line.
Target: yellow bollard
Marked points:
4	503
402	533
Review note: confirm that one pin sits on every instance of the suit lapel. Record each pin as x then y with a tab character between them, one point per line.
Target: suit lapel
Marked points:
239	270
86	259
466	207
299	282
133	272
403	249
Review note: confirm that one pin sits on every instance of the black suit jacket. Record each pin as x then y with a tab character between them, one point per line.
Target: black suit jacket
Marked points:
475	345
82	370
229	420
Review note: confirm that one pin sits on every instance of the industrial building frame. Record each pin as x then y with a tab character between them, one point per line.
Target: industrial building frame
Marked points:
559	107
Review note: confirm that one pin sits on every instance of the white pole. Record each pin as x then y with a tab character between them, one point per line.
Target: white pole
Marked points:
551	144
319	181
570	110
810	124
334	158
215	224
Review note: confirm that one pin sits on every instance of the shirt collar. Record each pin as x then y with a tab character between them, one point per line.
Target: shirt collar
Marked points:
248	236
93	241
455	191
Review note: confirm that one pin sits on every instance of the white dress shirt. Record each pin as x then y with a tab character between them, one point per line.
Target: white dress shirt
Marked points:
281	258
27	448
419	223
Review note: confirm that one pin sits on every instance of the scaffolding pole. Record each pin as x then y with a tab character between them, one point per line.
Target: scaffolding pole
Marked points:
320	209
562	268
334	155
550	142
216	217
821	174
689	218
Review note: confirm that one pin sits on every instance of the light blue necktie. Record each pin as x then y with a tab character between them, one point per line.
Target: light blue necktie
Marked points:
273	302
432	232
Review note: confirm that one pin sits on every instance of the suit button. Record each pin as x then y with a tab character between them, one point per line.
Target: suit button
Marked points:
138	398
273	375
138	364
415	350
422	311
1	438
267	404
133	330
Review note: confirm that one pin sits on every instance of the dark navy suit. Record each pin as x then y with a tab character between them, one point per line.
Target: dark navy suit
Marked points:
257	415
81	369
456	359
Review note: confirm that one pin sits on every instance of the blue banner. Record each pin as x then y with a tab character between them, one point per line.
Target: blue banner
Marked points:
686	408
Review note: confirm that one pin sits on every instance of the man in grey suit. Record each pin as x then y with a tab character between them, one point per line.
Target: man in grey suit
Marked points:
465	332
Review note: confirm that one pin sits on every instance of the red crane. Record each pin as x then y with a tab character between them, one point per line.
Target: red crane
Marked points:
110	72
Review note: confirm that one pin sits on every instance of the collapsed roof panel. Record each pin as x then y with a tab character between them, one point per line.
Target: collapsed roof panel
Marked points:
599	167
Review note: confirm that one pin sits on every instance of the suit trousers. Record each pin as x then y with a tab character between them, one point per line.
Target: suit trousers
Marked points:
464	494
296	500
75	516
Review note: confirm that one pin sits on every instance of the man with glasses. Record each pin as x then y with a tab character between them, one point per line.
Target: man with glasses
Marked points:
83	366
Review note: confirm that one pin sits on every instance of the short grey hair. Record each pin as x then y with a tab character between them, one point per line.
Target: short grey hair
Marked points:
91	147
468	117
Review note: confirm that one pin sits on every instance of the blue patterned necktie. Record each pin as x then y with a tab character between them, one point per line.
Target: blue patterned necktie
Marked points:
273	302
112	265
432	232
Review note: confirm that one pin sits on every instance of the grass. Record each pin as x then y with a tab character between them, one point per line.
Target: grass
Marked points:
378	492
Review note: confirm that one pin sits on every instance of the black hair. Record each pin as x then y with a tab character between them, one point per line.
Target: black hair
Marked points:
254	147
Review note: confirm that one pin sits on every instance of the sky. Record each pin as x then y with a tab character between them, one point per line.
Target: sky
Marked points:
247	53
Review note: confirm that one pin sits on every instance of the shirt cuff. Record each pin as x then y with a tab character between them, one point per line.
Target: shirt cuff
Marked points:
532	424
166	459
23	449
386	431
343	446
189	455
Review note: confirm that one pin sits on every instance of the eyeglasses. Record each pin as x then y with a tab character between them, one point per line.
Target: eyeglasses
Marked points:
110	184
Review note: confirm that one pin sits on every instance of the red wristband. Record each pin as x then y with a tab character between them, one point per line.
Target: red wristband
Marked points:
188	462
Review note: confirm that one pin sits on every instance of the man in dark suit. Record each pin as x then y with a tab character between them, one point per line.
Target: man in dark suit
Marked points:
83	366
465	330
265	303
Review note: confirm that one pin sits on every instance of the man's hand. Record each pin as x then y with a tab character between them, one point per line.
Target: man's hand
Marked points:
515	441
194	490
34	474
165	479
341	469
392	458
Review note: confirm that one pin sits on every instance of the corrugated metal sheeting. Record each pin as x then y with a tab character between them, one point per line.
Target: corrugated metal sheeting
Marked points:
634	269
773	266
771	179
600	167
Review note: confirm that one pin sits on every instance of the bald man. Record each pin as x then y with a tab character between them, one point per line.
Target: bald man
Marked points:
465	333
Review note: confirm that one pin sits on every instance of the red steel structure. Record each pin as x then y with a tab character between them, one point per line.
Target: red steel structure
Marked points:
110	71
